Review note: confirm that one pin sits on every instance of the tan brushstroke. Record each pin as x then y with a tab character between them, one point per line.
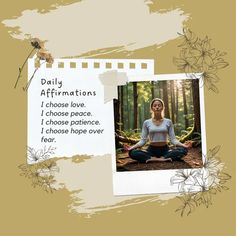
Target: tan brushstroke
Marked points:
89	25
90	184
97	27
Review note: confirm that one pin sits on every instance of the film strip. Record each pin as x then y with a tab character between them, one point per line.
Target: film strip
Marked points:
141	65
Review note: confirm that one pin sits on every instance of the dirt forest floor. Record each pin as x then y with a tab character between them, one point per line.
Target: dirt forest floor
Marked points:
192	160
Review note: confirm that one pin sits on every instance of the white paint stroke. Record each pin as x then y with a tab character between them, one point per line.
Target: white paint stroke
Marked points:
90	182
89	25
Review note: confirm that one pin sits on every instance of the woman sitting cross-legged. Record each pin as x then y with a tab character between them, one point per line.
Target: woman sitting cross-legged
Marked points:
157	129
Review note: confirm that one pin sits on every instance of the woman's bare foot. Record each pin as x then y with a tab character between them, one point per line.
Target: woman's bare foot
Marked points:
165	159
155	159
128	162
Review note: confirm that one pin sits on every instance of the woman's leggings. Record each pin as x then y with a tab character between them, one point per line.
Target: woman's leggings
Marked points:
154	151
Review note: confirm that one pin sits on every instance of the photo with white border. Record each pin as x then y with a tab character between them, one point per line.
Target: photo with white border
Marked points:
138	178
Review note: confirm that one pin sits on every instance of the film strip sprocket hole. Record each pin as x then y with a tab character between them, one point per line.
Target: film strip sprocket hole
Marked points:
93	64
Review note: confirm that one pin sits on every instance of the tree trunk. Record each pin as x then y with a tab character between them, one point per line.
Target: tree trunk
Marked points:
116	119
177	104
172	94
165	99
135	99
147	113
116	113
185	106
152	89
140	116
196	108
196	105
127	107
121	107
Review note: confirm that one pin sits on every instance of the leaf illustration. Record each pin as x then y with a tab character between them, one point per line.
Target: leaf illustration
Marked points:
213	88
221	64
212	77
224	176
215	150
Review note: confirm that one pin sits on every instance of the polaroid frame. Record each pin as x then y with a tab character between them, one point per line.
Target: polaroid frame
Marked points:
157	181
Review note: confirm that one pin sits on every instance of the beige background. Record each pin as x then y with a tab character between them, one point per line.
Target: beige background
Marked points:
28	211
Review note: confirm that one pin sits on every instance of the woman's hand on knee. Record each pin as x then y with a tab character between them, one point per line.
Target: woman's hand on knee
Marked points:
188	144
127	147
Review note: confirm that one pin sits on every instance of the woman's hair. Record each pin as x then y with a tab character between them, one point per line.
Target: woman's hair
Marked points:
162	103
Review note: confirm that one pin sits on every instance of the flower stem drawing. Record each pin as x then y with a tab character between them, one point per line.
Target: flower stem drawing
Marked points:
31	78
22	67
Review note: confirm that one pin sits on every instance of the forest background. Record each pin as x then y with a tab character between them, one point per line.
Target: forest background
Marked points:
182	106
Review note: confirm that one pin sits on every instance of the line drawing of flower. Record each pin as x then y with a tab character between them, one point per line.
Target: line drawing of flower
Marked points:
210	77
185	62
35	156
203	180
197	186
198	56
41	168
188	205
203	52
185	178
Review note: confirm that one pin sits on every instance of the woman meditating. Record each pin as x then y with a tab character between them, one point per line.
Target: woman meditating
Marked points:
157	129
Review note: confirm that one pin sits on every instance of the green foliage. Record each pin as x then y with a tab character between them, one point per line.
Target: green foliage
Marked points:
145	92
197	139
134	134
119	150
186	135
